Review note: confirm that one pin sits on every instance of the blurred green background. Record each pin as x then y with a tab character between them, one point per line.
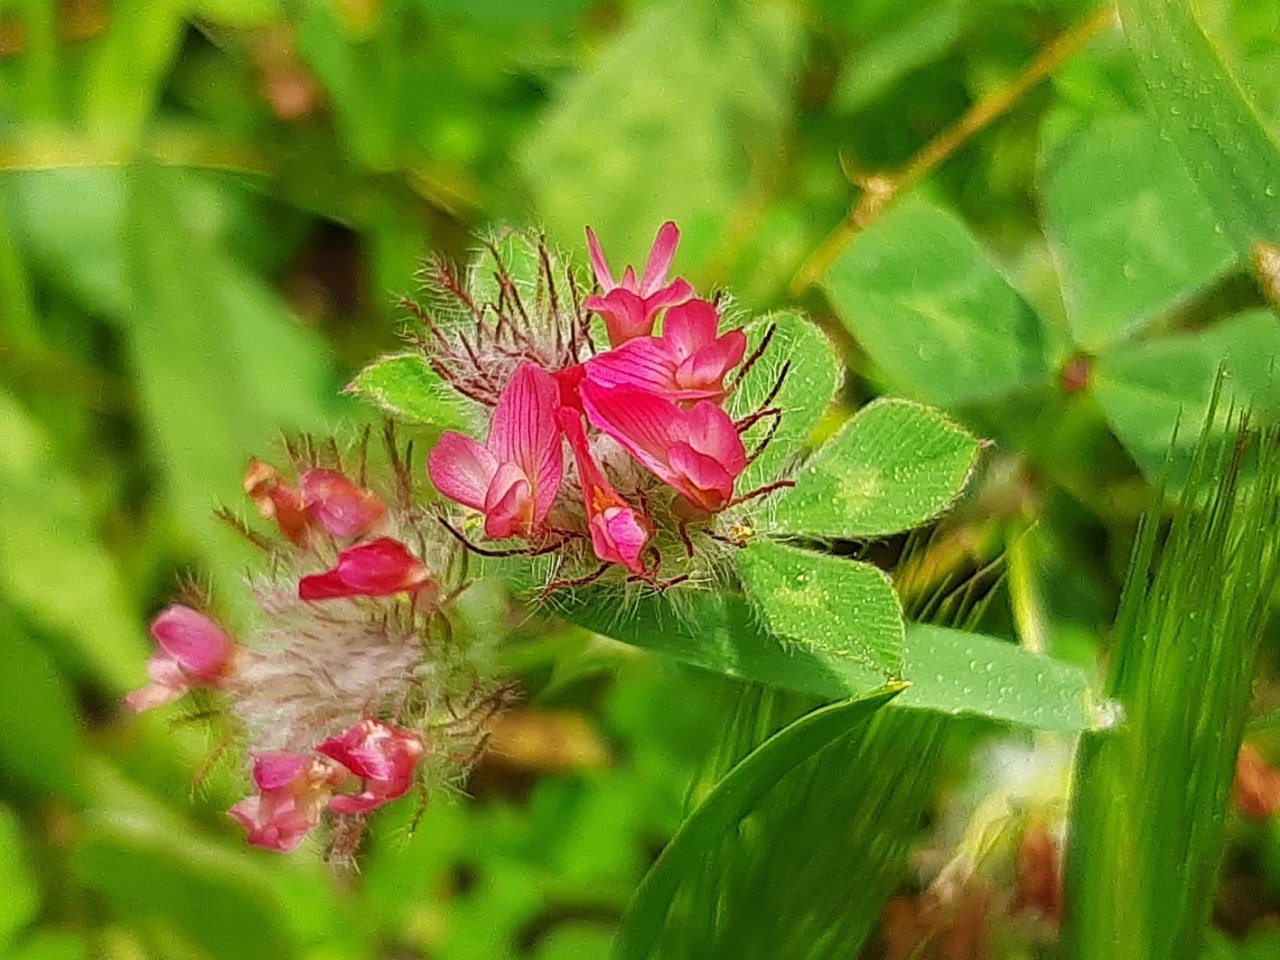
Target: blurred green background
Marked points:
207	213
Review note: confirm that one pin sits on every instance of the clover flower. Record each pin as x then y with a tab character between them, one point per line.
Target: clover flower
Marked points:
350	688
655	458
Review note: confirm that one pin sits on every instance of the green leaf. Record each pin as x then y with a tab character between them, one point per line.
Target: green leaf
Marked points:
39	730
951	671
731	801
894	465
937	319
1147	389
50	945
873	69
52	564
21	900
222	367
1130	232
208	897
812	378
1150	796
651	166
816	601
1202	111
406	387
128	67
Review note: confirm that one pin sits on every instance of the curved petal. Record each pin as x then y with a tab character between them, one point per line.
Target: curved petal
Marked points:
375	569
710	431
701	478
661	255
199	646
525	433
640	421
598	264
509	506
690	326
706	368
277	769
342	508
619	535
645	362
461	469
625	314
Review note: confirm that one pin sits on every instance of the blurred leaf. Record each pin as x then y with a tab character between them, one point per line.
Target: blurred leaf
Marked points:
731	801
70	221
1150	796
39	729
221	364
1201	110
894	465
21	900
128	67
18	319
919	294
886	58
51	563
577	941
1148	388
671	122
405	386
839	607
501	15
951	671
812	377
1131	233
50	945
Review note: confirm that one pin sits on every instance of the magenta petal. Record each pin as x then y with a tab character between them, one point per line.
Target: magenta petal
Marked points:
644	362
525	433
706	369
461	469
378	568
274	824
701	478
342	508
661	255
690	326
677	291
198	645
509	506
276	769
625	315
711	431
641	421
372	750
619	535
598	264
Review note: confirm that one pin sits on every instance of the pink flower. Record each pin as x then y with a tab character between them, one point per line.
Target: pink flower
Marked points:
194	651
342	508
630	308
619	532
696	451
384	757
375	569
292	792
688	362
274	498
513	479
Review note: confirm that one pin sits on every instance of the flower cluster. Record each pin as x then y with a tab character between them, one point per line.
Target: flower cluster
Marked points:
654	456
347	689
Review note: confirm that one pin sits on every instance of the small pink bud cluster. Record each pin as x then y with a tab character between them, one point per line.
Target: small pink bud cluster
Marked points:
653	455
330	695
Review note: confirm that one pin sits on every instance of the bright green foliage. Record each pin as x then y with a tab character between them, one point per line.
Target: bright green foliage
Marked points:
893	466
1147	389
648	163
21	898
1130	231
950	671
1150	795
1201	110
407	388
724	811
935	316
836	606
49	540
812	376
